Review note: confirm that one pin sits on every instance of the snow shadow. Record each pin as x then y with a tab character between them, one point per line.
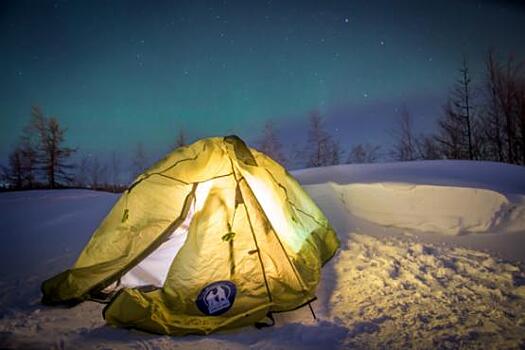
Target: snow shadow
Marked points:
288	336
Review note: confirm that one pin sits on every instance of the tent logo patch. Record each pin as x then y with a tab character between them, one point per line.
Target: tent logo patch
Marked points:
216	298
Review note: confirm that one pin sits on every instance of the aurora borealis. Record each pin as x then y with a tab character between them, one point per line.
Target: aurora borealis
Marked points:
120	72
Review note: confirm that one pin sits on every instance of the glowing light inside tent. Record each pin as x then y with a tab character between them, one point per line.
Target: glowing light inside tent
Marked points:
201	194
277	211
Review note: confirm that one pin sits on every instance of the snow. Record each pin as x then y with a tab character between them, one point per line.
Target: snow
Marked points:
432	256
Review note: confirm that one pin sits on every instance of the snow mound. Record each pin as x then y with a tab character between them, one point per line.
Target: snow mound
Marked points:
443	209
393	293
446	197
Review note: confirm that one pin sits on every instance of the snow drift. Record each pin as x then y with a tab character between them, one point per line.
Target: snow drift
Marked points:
430	196
443	209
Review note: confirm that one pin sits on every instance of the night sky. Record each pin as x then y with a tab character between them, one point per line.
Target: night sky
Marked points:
120	72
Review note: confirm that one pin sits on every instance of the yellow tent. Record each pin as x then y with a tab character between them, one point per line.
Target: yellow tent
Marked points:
213	236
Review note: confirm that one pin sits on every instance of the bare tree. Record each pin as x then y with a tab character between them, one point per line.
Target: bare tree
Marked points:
404	147
115	170
181	140
30	145
97	173
269	144
463	103
21	169
82	173
427	148
455	127
51	154
14	174
502	124
450	136
91	172
139	162
363	153
510	96
322	149
29	163
520	97
56	155
491	130
507	97
334	151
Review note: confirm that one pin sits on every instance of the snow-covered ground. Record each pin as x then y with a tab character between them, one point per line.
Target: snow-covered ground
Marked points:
433	256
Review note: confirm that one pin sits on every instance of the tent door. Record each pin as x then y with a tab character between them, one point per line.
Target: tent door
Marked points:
153	270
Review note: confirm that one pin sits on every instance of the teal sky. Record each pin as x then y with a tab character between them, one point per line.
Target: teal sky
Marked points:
121	72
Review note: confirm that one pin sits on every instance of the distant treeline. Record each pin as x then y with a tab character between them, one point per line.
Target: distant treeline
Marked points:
40	160
482	120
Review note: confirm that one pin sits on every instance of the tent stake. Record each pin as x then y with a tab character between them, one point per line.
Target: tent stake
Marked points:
312	310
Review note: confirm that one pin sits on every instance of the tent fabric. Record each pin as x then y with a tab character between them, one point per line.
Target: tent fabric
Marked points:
254	242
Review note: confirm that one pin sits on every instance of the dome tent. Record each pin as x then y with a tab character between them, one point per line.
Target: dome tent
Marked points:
215	235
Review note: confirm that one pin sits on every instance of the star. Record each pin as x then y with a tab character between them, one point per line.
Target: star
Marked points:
347	20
